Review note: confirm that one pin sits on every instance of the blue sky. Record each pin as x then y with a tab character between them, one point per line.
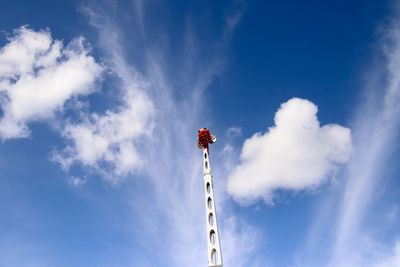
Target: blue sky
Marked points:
100	102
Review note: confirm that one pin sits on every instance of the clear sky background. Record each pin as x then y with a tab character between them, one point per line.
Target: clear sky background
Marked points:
100	102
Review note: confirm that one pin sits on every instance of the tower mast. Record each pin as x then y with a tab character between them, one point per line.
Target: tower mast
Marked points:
213	245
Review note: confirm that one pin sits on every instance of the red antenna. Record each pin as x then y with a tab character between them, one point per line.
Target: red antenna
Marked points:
204	138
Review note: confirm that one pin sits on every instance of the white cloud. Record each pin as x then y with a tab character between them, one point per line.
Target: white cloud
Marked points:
38	75
106	142
296	153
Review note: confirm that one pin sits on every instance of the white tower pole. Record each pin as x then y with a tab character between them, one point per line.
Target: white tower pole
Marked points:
214	247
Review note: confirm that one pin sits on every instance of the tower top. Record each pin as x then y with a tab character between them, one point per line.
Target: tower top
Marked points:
204	138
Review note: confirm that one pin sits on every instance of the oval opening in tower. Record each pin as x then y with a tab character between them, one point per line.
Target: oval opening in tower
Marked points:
208	188
206	165
209	203
211	219
205	155
213	237
214	256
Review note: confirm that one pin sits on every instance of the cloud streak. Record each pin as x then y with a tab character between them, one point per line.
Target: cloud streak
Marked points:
350	227
376	128
165	197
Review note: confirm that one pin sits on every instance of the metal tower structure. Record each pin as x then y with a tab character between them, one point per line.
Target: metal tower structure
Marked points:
214	248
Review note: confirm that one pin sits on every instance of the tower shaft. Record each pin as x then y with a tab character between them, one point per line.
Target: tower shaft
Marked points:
213	244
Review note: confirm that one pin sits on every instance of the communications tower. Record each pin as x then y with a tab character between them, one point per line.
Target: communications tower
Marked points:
205	138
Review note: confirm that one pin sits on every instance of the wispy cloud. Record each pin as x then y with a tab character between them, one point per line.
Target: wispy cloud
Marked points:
354	238
166	197
375	128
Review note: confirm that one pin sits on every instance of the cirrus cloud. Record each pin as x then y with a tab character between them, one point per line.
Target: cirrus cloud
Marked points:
295	154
